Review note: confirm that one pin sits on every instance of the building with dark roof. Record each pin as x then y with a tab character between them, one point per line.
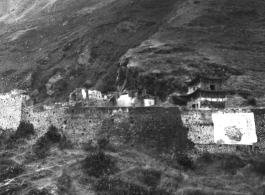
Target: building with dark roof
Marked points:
206	93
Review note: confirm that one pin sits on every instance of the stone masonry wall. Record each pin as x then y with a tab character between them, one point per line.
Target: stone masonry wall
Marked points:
156	128
10	110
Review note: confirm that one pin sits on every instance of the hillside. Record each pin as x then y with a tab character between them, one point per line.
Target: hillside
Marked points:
53	165
67	44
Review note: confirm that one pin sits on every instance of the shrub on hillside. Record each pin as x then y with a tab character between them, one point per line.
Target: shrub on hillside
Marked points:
111	186
206	157
64	184
185	161
53	134
231	162
103	143
151	177
89	146
65	143
5	163
252	101
11	172
43	191
258	164
114	186
3	137
24	131
98	164
42	146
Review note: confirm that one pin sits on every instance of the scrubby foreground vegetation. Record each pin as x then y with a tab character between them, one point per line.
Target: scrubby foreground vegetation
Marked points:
51	164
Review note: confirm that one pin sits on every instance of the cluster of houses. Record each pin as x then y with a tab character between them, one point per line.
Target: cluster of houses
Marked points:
203	93
87	97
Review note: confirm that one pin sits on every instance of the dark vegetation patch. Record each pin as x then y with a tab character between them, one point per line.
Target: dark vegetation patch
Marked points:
178	101
244	93
8	72
243	12
4	135
10	171
113	186
65	143
252	101
98	164
167	50
174	50
258	164
226	161
13	187
155	84
185	161
206	157
148	177
103	143
42	146
65	185
88	146
219	70
43	191
24	131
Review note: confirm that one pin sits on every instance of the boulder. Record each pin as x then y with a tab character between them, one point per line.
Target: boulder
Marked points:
84	57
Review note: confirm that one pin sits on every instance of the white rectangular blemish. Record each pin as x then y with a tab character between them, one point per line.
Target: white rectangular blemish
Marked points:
236	128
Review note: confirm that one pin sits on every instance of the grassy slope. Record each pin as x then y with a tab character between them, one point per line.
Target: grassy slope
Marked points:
55	165
62	172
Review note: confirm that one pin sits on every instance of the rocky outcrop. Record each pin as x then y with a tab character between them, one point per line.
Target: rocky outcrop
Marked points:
50	86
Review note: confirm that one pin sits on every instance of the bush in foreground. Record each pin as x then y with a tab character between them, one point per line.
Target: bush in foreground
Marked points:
113	186
65	185
185	161
43	191
258	164
103	143
11	172
231	162
24	131
98	164
206	157
42	147
65	143
252	101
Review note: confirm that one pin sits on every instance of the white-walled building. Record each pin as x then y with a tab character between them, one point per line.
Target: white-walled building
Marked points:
149	102
126	101
94	94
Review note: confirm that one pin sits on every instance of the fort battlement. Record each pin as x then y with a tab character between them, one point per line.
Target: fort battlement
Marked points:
153	126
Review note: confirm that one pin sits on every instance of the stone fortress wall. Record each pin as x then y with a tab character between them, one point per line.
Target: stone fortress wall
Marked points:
11	110
154	127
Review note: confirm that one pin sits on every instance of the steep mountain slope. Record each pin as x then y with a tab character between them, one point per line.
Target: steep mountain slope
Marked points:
69	43
151	44
209	37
